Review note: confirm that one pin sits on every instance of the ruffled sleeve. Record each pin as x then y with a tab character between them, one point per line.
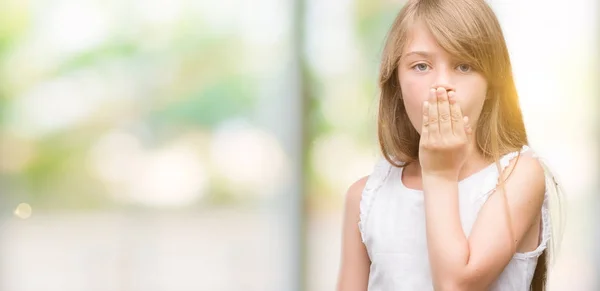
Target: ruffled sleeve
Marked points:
374	182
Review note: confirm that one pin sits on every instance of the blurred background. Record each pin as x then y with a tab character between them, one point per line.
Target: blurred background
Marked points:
207	145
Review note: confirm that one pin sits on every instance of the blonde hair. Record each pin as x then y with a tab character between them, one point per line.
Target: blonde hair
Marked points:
469	31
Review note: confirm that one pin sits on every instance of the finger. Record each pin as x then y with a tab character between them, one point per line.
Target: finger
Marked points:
444	112
458	124
425	126
432	123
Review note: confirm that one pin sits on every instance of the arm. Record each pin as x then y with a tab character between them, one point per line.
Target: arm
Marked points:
355	263
473	263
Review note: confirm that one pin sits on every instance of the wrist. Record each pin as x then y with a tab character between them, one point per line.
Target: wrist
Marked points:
435	182
440	176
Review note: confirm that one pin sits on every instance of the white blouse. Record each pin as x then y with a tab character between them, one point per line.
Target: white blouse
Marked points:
392	226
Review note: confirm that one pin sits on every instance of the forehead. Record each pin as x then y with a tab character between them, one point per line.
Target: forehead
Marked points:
419	38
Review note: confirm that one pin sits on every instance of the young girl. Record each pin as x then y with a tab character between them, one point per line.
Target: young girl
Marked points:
460	202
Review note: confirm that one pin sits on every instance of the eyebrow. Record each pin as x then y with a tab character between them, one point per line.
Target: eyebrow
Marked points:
421	53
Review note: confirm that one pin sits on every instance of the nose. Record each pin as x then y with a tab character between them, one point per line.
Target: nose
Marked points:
443	79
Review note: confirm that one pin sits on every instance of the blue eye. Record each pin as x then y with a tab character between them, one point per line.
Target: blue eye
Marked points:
421	67
464	68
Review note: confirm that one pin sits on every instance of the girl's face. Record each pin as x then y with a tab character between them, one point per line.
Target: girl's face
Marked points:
424	65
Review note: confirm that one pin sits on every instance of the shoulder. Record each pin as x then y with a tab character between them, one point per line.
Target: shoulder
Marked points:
525	166
524	180
371	182
354	192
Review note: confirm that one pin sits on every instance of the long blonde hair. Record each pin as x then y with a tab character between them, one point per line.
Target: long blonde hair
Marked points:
470	31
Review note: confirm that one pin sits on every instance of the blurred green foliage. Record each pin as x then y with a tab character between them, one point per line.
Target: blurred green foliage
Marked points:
185	79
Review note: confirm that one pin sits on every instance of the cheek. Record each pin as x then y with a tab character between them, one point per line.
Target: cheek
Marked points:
471	99
414	93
